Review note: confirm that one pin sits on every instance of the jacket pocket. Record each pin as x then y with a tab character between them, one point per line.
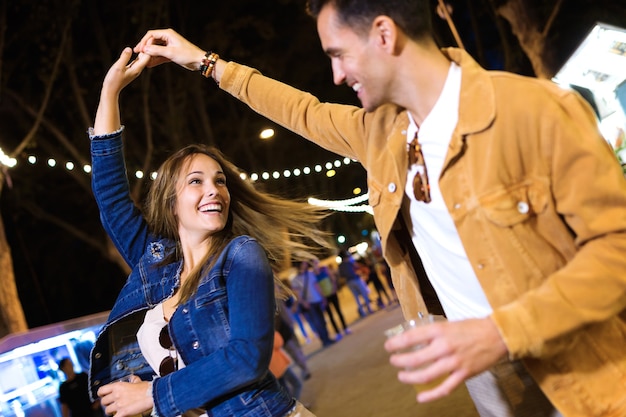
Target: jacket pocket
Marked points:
515	204
129	362
208	297
525	232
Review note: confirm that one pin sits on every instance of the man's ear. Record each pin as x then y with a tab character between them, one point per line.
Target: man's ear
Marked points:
385	33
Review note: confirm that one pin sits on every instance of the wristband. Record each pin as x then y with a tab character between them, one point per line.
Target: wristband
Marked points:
208	64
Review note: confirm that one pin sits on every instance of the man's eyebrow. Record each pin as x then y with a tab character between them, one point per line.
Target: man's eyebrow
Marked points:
331	51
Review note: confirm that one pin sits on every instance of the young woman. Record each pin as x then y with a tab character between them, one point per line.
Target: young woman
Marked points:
193	325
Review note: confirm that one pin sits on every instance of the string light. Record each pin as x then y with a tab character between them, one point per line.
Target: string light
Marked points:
332	203
286	173
6	160
344	205
267	133
351	205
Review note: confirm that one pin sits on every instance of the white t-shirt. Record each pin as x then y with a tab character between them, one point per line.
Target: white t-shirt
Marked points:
148	338
432	229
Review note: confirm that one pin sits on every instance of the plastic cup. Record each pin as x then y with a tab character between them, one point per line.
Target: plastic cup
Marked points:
410	324
127	378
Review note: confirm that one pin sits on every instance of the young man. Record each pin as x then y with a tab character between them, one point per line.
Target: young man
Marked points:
501	183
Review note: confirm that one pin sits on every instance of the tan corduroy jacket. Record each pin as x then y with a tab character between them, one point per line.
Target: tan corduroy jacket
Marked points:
539	202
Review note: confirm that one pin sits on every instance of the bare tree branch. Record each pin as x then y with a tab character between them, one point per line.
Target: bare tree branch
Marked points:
531	40
555	12
3	31
59	135
145	89
76	87
44	104
107	249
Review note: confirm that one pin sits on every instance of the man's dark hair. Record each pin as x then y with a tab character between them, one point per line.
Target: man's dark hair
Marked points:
412	16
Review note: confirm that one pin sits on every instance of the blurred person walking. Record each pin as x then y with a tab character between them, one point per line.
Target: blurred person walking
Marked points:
327	280
369	273
358	288
280	367
285	326
383	270
311	301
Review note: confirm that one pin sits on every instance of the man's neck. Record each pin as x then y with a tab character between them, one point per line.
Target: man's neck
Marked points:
421	78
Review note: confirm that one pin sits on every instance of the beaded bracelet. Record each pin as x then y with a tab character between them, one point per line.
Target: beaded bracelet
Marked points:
208	64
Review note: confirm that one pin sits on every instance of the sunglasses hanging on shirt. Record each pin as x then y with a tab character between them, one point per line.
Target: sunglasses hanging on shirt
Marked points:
169	364
421	187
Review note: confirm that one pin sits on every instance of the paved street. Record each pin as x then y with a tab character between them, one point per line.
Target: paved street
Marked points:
353	378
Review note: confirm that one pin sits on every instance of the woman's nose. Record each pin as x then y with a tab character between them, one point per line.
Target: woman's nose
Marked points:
210	189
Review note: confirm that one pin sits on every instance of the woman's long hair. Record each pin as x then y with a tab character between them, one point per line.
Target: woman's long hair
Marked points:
287	230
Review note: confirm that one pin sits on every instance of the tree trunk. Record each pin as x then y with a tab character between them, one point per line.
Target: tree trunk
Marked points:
532	39
12	317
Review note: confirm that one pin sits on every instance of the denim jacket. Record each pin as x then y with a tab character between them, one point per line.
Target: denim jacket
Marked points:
223	333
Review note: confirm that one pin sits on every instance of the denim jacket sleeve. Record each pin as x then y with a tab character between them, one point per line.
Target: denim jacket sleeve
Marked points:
121	219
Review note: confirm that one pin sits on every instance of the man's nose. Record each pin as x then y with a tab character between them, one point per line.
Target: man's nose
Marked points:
339	77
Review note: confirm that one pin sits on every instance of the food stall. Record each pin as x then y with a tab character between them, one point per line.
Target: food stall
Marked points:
597	69
29	374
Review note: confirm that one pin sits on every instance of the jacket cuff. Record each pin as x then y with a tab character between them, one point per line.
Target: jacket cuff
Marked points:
93	136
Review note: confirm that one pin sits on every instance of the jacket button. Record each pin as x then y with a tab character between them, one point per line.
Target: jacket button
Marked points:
195	344
96	382
523	207
119	366
185	310
97	355
391	187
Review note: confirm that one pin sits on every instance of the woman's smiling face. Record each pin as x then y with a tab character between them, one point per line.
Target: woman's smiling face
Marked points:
202	198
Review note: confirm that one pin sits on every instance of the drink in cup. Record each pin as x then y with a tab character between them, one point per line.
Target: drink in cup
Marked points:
407	325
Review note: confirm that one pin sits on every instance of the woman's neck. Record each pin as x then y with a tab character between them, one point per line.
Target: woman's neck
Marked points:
193	255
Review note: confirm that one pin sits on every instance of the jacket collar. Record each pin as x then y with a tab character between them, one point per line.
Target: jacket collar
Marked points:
477	108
